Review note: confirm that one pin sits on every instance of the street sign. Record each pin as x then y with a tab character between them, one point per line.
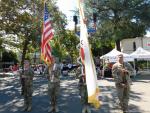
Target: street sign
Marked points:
90	30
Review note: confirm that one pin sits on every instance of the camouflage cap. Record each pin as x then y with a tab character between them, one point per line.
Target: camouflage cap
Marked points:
120	55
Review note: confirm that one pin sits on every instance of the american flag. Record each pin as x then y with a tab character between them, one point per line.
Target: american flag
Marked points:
47	35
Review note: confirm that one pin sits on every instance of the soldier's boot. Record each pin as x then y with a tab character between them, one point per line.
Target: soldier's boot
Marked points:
121	105
29	105
88	109
125	109
56	109
25	107
29	108
84	109
51	109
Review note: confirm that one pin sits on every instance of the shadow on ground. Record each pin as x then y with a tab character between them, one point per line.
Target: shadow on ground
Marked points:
109	100
69	100
145	78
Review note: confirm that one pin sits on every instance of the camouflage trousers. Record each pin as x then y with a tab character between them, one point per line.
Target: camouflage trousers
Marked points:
83	94
22	85
123	95
28	90
53	92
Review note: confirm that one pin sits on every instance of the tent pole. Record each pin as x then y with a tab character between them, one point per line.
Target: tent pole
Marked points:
134	68
147	66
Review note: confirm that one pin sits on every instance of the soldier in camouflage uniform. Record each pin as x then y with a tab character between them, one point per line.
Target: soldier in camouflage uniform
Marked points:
53	84
83	91
27	74
121	72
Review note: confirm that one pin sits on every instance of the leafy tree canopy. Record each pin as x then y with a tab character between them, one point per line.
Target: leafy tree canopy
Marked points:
119	19
23	18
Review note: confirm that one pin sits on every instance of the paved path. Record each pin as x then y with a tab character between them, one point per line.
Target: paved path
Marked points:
69	102
139	95
12	101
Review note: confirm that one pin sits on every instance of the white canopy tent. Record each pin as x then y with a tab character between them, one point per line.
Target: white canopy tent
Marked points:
112	56
141	53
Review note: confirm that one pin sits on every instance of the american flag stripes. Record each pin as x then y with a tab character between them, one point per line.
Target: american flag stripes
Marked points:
47	35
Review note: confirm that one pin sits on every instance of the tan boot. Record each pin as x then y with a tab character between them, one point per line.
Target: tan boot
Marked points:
25	107
50	109
84	109
56	109
29	108
88	109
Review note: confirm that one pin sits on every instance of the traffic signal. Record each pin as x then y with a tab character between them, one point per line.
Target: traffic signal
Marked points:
75	19
94	17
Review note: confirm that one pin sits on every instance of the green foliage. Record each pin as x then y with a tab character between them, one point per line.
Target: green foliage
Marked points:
100	46
118	19
9	57
17	18
24	18
65	46
1	41
70	43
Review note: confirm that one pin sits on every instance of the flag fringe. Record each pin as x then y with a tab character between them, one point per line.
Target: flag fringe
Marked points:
94	99
43	59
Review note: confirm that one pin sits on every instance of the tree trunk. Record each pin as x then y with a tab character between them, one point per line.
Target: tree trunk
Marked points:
118	45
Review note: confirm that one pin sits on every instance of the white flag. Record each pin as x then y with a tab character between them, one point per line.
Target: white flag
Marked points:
87	60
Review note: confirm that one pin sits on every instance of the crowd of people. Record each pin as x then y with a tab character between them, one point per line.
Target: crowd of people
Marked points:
103	68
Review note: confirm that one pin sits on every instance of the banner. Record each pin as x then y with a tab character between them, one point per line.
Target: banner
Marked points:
87	60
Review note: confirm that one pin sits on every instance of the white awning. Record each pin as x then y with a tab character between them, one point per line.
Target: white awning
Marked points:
112	56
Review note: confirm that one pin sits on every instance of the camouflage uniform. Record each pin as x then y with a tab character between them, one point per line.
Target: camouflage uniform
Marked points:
27	88
22	80
53	85
122	82
83	93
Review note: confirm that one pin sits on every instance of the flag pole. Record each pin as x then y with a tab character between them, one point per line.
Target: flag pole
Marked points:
87	60
42	57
